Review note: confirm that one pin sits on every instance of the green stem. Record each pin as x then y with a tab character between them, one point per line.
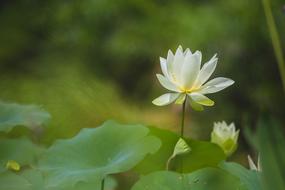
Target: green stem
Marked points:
182	126
275	39
183	118
102	184
168	162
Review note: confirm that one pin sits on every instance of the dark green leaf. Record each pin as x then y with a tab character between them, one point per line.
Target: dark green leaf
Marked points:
203	179
202	154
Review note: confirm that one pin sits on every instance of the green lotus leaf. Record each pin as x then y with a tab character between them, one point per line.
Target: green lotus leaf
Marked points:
202	154
110	184
32	179
21	151
13	181
30	116
250	178
96	152
206	178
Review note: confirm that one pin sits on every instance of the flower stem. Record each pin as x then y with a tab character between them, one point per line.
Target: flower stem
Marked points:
182	126
275	39
102	184
183	118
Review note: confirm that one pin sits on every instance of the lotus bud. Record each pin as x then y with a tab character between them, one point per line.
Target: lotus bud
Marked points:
225	136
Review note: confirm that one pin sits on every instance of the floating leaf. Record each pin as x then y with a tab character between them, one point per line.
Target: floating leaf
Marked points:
12	181
21	151
202	154
203	179
251	179
96	152
32	179
110	184
12	115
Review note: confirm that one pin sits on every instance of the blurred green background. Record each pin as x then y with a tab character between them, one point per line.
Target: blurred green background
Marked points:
88	61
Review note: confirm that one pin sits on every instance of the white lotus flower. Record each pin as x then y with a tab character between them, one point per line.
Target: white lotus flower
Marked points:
183	75
225	136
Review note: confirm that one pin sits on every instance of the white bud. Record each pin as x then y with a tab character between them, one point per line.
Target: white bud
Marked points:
225	136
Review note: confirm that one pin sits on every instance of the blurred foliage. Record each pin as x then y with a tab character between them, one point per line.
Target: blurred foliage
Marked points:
75	100
87	61
120	41
270	143
12	115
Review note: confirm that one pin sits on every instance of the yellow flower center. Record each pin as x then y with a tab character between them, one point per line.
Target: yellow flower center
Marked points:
193	89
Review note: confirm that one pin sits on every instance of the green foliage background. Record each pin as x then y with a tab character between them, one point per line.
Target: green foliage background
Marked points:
87	61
